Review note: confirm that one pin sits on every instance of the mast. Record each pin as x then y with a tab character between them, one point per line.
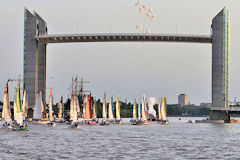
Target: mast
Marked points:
134	109
118	117
110	109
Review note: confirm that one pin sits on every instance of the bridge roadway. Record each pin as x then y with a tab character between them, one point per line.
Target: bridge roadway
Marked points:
121	37
230	110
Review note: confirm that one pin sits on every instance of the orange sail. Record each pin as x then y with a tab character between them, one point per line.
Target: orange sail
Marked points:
88	108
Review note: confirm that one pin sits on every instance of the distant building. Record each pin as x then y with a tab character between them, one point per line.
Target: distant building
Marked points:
182	99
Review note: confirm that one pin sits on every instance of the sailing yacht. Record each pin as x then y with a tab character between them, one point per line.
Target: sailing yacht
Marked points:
60	111
162	115
38	110
104	112
94	118
110	111
19	121
118	116
90	119
52	121
144	117
74	123
25	104
134	120
6	109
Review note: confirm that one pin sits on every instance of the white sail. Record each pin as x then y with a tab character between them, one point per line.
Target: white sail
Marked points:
110	110
50	106
163	109
37	113
159	110
75	119
94	109
134	109
104	113
143	109
15	108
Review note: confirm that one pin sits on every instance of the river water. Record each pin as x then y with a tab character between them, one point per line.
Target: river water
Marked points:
178	140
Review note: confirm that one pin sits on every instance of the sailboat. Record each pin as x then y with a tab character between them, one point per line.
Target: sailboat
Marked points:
19	123
90	119
159	110
6	109
118	116
60	111
38	110
94	111
144	118
134	120
110	111
52	122
104	112
164	120
74	123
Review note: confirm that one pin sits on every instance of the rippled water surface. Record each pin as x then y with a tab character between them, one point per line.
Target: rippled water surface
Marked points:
178	140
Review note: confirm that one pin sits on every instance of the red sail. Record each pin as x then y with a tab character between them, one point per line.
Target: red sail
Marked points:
88	108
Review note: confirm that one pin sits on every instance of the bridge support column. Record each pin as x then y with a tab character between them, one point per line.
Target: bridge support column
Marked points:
220	63
220	115
34	69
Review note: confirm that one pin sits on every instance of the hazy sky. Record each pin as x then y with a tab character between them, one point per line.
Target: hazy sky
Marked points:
129	69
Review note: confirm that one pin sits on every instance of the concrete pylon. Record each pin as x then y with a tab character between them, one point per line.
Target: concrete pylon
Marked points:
34	69
220	64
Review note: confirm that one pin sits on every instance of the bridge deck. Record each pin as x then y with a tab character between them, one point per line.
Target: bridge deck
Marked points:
120	37
232	110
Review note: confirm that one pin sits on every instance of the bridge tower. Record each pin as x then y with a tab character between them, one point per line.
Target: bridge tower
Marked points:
220	64
34	69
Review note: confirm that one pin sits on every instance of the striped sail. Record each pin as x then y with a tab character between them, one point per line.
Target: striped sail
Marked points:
25	104
134	109
118	117
163	109
60	108
159	110
6	107
104	113
94	109
143	109
50	106
37	113
110	109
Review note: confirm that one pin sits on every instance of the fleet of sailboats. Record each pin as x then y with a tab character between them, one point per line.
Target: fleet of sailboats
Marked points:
76	117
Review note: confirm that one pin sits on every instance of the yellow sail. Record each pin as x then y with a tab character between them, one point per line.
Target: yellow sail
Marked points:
50	106
163	109
159	110
143	109
104	113
110	110
134	109
118	117
94	109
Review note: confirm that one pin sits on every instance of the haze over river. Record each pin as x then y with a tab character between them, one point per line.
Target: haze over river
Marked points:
178	140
